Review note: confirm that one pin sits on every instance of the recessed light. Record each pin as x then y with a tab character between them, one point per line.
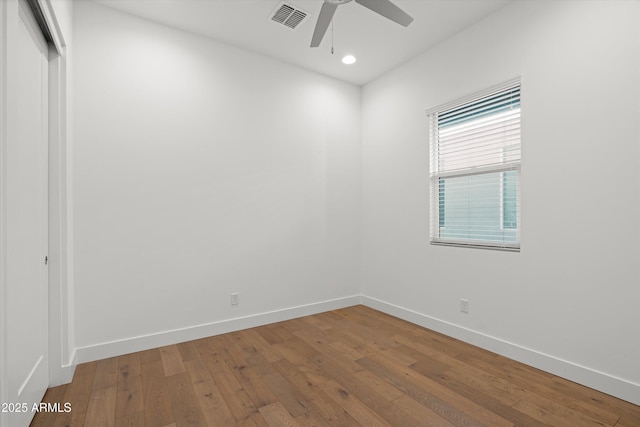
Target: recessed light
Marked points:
349	59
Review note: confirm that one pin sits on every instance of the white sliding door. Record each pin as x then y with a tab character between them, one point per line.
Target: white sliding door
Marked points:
24	188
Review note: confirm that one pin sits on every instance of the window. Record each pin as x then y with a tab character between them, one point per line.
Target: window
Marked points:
475	170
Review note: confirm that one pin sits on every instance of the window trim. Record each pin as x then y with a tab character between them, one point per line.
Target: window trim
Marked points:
435	177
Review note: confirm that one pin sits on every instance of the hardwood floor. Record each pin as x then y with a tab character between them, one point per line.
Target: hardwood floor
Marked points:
349	367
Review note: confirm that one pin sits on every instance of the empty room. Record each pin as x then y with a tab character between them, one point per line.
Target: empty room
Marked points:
320	213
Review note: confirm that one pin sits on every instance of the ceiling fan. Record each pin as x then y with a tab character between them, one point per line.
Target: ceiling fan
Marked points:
381	7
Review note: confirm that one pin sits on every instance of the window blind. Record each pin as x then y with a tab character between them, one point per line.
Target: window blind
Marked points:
475	170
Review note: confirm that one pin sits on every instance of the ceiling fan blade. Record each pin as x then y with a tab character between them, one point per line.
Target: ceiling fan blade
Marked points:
324	19
388	10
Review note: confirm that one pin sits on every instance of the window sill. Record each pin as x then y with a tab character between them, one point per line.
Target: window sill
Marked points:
489	246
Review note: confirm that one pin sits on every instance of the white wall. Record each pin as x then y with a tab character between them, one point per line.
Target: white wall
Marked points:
201	170
568	301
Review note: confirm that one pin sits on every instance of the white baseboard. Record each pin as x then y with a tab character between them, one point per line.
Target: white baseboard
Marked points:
589	377
592	378
146	342
64	374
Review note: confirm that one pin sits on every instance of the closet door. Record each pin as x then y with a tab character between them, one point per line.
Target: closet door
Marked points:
25	216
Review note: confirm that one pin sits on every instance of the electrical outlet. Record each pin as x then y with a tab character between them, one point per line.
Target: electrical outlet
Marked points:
234	299
464	305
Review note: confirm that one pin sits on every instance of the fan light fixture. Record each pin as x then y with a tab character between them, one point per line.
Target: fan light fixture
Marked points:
349	59
381	7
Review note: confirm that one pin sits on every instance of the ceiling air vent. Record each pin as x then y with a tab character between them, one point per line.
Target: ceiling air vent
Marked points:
288	15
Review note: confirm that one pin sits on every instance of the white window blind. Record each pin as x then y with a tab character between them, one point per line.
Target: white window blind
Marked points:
475	170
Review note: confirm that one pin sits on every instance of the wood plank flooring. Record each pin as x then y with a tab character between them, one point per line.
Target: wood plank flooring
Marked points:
349	367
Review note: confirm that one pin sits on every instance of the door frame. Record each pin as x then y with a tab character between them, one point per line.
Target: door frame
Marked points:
62	359
61	340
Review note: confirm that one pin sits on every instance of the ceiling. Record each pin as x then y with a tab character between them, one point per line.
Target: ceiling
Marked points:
378	44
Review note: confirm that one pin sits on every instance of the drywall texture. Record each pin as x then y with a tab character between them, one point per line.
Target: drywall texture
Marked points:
201	170
571	293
